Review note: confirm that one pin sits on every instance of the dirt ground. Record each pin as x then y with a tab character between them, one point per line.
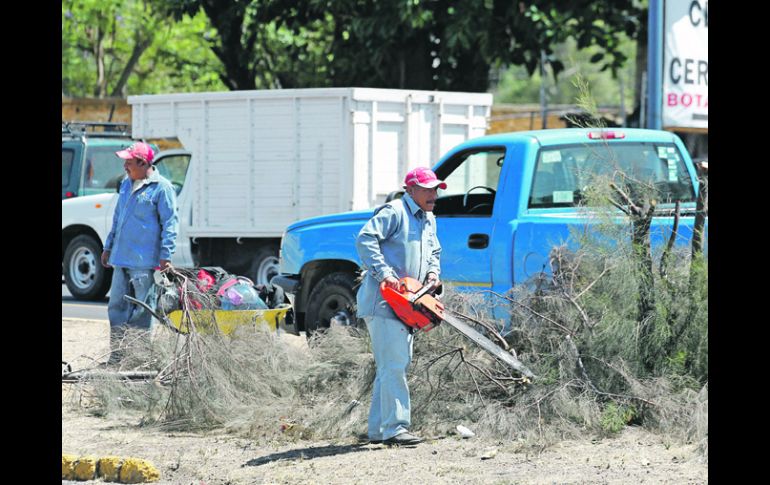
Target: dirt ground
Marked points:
634	456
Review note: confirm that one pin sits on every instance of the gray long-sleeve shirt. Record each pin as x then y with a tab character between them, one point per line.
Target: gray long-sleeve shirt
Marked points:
399	240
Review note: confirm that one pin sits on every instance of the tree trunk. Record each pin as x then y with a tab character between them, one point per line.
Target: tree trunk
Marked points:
417	63
236	58
101	88
641	67
475	73
701	211
140	46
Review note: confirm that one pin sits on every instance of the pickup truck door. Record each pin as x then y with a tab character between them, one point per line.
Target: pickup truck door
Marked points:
464	216
173	165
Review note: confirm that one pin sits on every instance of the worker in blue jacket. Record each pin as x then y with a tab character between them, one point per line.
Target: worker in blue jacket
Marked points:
142	238
399	240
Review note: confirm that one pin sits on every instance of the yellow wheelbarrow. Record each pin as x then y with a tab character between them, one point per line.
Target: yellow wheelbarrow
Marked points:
226	321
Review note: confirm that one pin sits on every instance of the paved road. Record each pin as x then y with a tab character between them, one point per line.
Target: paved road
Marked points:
72	308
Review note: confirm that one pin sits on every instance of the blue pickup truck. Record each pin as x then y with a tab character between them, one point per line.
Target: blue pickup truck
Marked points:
510	198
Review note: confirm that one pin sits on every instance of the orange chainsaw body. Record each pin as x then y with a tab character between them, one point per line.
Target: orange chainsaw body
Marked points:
421	312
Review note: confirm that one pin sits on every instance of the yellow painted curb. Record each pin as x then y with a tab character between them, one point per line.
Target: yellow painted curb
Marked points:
68	466
136	470
108	468
85	468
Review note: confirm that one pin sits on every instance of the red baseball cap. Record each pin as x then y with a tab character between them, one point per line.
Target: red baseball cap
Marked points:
137	150
424	177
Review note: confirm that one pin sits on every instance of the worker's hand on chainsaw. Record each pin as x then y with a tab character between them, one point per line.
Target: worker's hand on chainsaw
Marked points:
391	282
432	279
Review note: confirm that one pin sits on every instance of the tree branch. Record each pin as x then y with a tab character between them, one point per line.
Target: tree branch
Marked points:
568	331
486	374
616	204
577	297
140	46
635	209
670	243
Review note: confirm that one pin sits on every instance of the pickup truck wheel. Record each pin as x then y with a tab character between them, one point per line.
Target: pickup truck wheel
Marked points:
264	266
84	274
332	295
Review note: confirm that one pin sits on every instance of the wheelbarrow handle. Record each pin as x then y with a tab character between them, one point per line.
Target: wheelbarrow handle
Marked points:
147	307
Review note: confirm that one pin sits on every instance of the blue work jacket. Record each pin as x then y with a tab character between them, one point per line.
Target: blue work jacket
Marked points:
145	224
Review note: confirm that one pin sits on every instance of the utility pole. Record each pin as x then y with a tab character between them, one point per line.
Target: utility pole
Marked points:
654	65
543	108
643	102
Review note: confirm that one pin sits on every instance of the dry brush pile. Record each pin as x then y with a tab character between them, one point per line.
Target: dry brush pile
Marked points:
578	332
614	339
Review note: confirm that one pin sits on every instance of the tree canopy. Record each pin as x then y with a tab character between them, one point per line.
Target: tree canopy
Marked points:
113	47
416	44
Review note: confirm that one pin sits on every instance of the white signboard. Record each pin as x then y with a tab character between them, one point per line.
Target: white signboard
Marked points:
686	64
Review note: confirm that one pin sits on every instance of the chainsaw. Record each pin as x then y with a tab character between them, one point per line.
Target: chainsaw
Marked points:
416	305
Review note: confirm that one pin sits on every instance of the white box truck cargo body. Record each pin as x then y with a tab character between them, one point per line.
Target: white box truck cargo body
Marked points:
262	160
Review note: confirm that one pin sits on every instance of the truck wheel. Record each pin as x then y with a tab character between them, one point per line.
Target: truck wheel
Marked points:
332	295
264	265
84	274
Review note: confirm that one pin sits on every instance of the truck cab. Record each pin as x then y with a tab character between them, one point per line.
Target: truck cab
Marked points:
510	198
88	162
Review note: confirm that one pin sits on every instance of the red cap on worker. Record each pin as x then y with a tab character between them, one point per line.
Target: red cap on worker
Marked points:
424	177
137	150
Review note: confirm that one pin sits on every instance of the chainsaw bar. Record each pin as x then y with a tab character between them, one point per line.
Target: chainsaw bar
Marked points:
488	345
418	308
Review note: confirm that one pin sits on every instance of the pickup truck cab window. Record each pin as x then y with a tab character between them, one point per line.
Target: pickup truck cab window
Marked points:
471	184
463	211
102	167
174	168
562	173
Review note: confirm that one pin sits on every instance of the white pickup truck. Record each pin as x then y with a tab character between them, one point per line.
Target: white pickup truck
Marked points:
86	221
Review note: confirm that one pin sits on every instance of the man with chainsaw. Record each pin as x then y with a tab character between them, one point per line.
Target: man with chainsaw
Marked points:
142	238
398	241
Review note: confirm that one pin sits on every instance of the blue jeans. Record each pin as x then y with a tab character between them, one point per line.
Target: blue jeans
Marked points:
138	284
390	412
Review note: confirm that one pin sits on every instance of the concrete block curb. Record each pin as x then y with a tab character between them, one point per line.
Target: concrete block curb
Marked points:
109	468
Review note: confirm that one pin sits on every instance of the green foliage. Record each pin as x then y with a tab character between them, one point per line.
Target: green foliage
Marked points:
179	60
406	44
89	29
615	417
516	85
119	47
129	46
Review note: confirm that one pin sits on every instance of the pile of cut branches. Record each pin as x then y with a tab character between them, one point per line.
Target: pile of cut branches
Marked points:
577	330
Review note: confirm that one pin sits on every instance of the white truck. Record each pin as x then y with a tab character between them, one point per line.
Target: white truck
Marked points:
261	160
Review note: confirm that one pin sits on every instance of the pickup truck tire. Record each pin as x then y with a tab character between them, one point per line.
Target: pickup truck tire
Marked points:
84	274
333	294
264	265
